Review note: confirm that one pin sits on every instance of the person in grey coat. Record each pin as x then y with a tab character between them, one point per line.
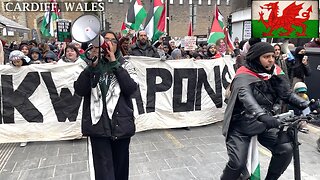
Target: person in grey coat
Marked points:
142	47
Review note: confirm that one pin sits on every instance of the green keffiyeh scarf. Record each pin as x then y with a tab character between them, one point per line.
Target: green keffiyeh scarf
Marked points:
106	68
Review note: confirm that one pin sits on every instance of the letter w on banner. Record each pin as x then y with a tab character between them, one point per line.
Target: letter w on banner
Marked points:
285	19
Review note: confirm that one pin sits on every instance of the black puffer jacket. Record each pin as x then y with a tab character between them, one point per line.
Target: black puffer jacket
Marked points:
147	50
259	98
297	68
121	125
300	70
255	91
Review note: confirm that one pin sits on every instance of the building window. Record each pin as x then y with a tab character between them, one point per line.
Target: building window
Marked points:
190	1
110	1
171	1
180	1
121	1
218	2
199	2
228	2
209	2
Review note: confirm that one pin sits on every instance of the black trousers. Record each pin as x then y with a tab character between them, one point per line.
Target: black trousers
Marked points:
110	158
237	148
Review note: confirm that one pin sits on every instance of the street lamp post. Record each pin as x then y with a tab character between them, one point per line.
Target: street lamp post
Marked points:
101	16
193	14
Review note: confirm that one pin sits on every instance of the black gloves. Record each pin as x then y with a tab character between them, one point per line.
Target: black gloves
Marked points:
298	101
269	121
304	104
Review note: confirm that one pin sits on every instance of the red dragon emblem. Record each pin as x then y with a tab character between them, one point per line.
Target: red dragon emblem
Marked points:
286	21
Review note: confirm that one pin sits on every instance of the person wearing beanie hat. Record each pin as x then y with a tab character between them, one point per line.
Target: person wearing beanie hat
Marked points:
35	56
18	59
253	58
50	57
300	87
176	54
255	92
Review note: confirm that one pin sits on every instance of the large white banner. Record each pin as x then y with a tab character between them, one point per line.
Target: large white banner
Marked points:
38	101
180	93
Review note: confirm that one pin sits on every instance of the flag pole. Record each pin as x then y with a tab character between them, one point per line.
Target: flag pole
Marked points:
167	17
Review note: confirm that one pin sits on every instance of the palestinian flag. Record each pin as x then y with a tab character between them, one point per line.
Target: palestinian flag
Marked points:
155	22
124	29
49	20
227	38
253	164
285	19
216	28
135	15
220	17
125	26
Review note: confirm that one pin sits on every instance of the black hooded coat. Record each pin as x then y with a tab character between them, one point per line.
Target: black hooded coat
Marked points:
255	92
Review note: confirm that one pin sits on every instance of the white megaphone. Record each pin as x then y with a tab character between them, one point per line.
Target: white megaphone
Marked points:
86	28
100	42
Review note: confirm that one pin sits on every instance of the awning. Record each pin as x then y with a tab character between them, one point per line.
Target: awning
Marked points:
12	26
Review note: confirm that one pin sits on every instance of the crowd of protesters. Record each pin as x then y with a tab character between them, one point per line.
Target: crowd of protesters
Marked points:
296	67
140	46
56	52
32	52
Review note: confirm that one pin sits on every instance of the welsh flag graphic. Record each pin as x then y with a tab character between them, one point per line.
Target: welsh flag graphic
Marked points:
216	28
155	22
135	15
253	164
285	19
49	20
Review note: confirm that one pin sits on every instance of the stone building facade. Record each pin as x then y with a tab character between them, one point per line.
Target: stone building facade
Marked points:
179	14
115	11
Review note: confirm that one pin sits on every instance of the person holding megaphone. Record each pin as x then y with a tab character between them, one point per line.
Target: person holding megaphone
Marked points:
107	85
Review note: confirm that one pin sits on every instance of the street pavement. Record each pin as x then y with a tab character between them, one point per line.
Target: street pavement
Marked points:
170	154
